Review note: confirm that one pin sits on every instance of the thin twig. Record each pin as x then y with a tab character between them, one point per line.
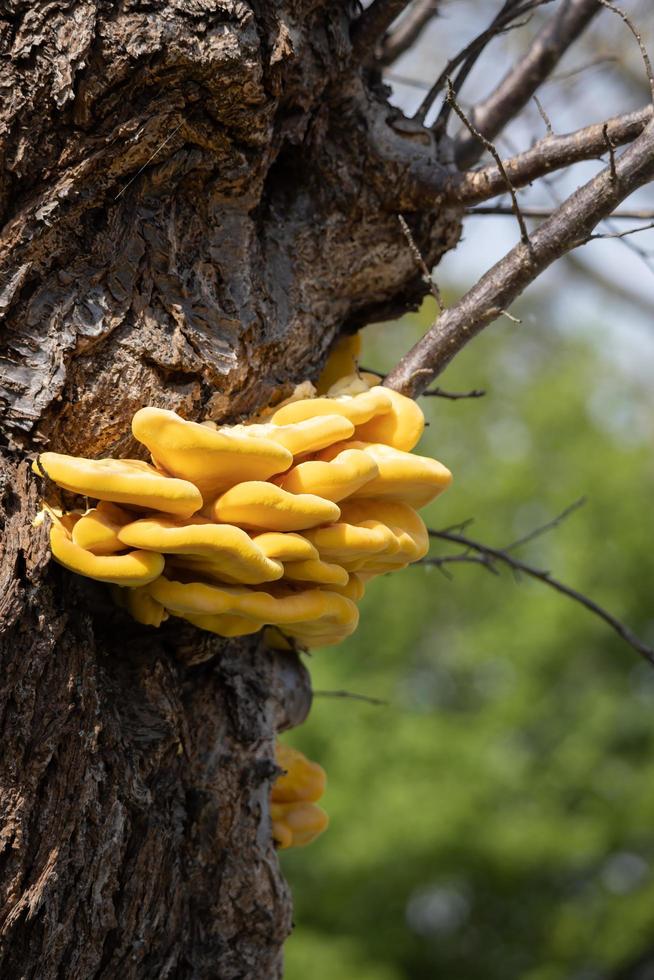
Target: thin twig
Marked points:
543	116
378	702
621	234
500	555
611	149
453	396
525	78
549	526
427	277
524	234
636	33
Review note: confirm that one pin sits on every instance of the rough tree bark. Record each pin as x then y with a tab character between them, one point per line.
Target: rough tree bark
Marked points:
196	196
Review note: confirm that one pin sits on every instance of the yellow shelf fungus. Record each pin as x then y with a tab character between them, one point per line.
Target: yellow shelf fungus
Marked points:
97	530
264	506
349	471
227	549
122	481
358	408
296	820
277	523
211	459
416	480
134	568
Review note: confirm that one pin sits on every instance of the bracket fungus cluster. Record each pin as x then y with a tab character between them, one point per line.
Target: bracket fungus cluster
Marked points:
296	820
277	522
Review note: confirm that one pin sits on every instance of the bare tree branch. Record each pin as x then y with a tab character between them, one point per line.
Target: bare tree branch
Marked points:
408	30
504	211
548	154
510	11
490	557
569	225
519	85
371	26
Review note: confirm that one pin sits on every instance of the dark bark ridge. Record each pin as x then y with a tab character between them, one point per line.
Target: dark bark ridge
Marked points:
195	197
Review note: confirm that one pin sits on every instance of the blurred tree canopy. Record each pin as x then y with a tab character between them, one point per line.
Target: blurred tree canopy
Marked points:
494	819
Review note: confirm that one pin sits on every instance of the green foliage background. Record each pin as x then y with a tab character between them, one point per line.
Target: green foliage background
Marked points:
495	819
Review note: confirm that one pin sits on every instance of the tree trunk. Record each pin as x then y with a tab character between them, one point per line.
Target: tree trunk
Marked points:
196	197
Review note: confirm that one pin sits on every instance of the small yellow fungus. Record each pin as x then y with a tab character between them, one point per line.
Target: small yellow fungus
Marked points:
97	529
301	781
341	361
297	824
349	471
133	568
211	459
123	481
141	606
266	507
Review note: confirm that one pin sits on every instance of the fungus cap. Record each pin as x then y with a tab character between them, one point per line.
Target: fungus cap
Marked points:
141	606
302	779
354	589
346	473
406	525
315	570
134	568
226	549
307	436
274	606
122	481
349	541
303	821
342	361
97	529
226	625
357	408
414	479
266	507
285	546
400	428
211	459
